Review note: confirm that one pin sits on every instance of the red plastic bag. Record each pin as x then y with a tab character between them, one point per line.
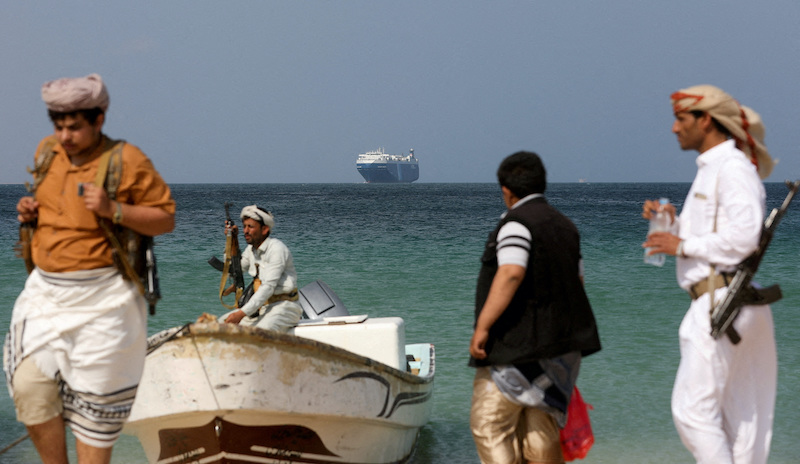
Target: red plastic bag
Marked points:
577	436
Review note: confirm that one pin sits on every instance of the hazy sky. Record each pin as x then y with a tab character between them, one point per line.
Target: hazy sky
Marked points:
291	91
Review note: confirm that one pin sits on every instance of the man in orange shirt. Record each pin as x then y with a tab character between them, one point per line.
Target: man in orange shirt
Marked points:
75	350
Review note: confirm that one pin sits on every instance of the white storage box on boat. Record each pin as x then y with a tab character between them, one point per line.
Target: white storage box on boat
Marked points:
382	338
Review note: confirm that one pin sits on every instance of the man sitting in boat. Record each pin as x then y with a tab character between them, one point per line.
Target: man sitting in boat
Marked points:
274	305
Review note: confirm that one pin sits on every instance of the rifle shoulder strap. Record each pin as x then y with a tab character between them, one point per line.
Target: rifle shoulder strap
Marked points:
712	268
41	163
109	171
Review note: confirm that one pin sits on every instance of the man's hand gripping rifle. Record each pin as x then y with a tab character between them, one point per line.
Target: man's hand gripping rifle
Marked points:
740	291
232	266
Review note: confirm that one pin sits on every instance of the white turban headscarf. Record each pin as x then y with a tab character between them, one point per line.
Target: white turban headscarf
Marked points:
257	214
743	123
75	93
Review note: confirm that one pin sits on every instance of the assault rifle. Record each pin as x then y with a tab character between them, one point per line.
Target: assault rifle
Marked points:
740	291
232	266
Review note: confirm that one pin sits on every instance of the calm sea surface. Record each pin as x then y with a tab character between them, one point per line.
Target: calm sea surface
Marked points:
412	251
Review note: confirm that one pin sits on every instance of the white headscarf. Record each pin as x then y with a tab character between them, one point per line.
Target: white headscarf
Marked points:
76	93
258	214
743	123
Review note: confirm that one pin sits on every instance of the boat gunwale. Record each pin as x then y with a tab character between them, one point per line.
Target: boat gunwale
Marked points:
242	333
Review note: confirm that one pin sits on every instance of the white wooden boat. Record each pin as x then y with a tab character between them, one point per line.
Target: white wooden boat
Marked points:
336	390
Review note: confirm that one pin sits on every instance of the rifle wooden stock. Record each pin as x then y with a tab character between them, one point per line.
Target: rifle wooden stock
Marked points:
740	290
22	249
232	266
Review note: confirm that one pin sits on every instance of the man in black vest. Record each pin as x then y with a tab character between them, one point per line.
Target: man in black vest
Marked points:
533	323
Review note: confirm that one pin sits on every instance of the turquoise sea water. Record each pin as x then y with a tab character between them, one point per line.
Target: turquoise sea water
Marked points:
412	251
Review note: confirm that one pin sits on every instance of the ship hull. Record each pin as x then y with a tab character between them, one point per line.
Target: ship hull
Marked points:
388	173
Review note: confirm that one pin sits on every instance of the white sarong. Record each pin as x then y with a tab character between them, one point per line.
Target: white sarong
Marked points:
280	316
88	331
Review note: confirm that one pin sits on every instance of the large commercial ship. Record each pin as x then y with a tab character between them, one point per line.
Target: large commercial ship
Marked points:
379	167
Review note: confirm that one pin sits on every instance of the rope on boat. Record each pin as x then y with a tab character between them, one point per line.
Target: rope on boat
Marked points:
14	443
156	340
205	372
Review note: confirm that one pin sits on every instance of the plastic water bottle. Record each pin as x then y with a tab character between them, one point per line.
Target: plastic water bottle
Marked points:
659	222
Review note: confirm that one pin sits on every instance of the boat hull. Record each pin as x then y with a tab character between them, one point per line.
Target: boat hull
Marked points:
221	393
